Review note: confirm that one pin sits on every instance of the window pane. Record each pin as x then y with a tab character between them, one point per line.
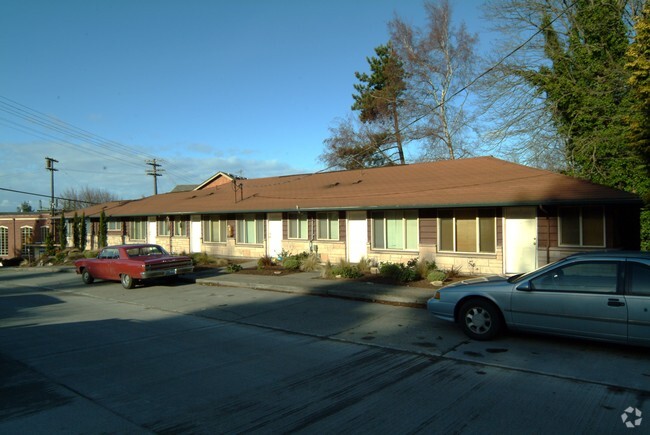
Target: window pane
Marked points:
570	226
465	231
639	280
259	230
446	236
411	230
323	222
588	277
592	226
334	226
250	230
394	230
378	236
487	234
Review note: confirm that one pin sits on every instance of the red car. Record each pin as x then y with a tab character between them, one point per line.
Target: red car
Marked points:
132	263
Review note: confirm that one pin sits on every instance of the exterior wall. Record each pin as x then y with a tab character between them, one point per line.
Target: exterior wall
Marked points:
621	232
14	223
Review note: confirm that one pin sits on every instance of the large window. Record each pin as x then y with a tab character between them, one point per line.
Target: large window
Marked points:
45	231
467	230
163	228
214	229
4	241
582	226
328	226
113	225
298	226
180	227
396	229
26	234
138	230
250	229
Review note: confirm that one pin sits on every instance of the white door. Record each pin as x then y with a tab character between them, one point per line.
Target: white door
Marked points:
520	239
274	232
357	236
195	233
151	230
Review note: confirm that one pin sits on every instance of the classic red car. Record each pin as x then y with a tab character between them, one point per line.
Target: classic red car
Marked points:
131	264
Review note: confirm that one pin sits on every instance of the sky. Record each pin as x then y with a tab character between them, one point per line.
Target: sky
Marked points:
248	87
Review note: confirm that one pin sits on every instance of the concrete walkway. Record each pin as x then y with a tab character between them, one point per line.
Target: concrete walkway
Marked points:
311	283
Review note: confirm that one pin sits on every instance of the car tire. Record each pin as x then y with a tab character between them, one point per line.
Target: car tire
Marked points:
481	319
86	277
127	281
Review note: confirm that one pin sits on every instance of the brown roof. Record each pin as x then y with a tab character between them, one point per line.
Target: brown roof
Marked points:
481	181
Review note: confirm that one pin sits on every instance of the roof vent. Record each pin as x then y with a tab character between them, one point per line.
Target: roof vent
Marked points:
334	184
357	182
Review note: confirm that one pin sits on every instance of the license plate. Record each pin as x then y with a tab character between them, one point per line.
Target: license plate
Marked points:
170	272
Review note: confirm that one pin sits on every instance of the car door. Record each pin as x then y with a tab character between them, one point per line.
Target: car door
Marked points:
637	284
581	298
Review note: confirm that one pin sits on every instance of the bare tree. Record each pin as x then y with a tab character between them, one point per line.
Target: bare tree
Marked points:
439	61
84	197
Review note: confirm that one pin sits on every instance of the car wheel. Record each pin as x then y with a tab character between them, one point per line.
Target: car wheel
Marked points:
481	319
86	277
127	281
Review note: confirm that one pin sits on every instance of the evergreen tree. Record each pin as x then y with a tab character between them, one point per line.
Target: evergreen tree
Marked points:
103	230
76	231
63	233
83	232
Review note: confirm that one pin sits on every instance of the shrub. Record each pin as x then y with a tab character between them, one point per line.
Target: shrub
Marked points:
436	275
364	265
232	268
265	261
454	271
399	271
291	263
310	264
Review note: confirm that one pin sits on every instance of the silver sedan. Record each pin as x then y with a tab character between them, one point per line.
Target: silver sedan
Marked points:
599	295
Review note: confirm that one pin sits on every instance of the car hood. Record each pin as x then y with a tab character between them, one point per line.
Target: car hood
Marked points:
492	279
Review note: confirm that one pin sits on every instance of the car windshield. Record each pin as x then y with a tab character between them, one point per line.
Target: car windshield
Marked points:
523	276
140	251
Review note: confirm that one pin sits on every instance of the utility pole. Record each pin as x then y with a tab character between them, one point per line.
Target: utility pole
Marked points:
49	165
155	173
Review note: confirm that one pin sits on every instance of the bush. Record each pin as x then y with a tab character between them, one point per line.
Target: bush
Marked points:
399	271
265	262
436	275
232	268
343	270
291	263
310	264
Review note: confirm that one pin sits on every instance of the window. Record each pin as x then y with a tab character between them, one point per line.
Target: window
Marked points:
397	229
584	277
180	228
114	225
26	234
638	278
582	226
138	230
250	229
109	253
4	241
45	231
467	230
328	226
163	228
214	229
298	226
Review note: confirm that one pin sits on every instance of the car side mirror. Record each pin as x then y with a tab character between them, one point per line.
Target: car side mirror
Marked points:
524	286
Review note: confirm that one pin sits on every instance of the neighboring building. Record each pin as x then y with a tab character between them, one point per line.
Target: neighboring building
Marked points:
480	215
23	234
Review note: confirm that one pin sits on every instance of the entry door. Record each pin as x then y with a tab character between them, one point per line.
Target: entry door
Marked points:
274	231
152	230
195	233
357	236
520	239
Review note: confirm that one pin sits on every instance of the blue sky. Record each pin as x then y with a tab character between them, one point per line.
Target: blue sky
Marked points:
248	87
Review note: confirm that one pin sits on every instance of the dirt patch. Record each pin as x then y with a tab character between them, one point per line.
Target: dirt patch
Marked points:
268	271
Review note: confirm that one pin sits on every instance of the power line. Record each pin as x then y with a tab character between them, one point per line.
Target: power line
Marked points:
46	196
